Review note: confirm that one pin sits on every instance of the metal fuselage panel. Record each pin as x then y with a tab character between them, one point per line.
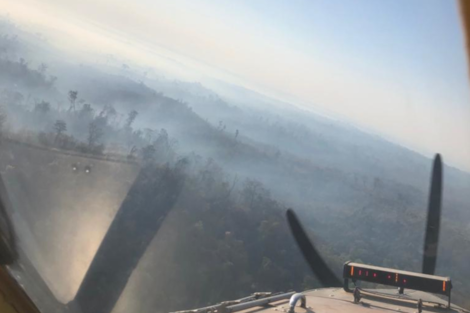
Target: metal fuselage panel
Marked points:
330	300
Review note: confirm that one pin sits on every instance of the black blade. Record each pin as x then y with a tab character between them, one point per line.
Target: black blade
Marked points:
318	266
8	252
434	217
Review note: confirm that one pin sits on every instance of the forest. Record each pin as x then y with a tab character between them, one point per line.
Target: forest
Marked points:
204	220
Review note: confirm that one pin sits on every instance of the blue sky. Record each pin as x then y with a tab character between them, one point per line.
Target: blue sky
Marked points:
393	67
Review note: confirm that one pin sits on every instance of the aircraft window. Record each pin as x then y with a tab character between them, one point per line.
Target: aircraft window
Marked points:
160	156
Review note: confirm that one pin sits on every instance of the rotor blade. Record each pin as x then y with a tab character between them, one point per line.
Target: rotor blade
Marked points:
313	258
8	251
433	220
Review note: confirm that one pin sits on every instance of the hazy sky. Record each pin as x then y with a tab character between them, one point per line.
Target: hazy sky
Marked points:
395	67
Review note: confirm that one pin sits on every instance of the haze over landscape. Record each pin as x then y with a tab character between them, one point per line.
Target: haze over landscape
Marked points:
151	148
396	68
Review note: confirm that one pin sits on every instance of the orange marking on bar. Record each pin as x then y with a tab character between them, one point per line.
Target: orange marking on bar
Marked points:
396	277
352	270
443	286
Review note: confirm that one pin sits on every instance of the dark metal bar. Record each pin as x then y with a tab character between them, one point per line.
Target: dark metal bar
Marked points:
260	302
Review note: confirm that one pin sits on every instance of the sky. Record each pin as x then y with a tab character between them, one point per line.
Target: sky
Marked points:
396	68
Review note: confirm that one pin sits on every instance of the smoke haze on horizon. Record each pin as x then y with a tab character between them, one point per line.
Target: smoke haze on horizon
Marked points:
397	69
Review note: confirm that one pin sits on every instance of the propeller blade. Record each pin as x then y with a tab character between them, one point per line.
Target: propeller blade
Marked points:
433	220
8	251
324	274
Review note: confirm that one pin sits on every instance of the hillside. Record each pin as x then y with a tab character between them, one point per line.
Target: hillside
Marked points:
243	163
